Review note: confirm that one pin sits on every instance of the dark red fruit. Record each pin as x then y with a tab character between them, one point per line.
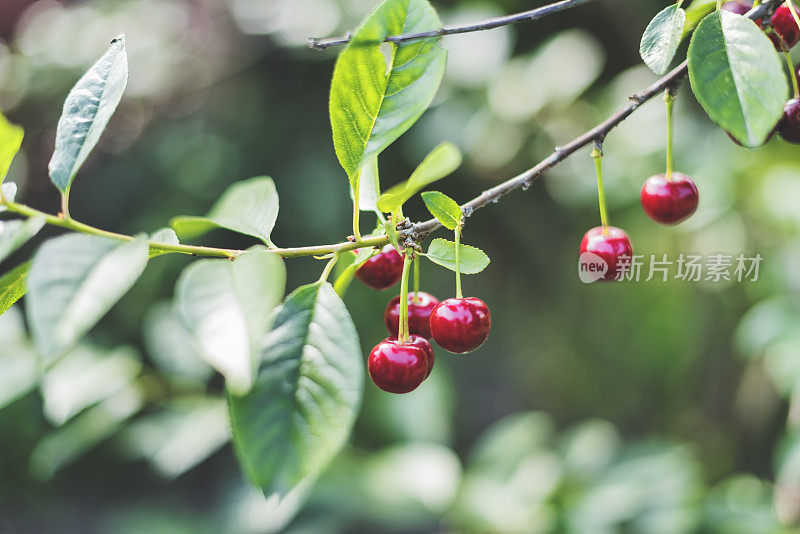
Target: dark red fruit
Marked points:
461	325
737	6
610	246
669	201
397	367
382	270
789	126
425	345
419	314
784	25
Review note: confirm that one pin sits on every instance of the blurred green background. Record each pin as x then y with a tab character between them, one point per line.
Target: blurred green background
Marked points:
639	407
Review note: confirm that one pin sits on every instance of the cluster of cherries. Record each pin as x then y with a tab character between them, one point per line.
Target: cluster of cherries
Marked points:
785	35
671	198
458	325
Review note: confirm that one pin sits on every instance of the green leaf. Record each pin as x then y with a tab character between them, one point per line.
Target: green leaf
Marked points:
13	287
662	38
74	280
87	110
737	77
227	307
444	208
165	236
14	234
10	143
443	252
369	185
19	365
696	12
443	160
374	97
249	207
347	266
306	397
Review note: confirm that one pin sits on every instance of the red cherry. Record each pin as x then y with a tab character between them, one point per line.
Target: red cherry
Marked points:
784	25
737	6
419	314
669	201
461	325
382	270
610	246
789	126
397	367
422	343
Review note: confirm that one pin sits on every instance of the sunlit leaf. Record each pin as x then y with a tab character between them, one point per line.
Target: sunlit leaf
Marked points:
13	286
444	208
86	113
662	38
14	234
10	143
443	252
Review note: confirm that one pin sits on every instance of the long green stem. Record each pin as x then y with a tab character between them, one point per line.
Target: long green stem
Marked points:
357	207
597	154
328	268
792	73
403	334
459	294
669	98
416	280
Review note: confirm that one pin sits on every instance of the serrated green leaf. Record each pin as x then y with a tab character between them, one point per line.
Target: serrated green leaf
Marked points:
661	39
443	252
86	113
443	160
306	397
10	143
13	286
249	207
374	97
444	208
74	280
737	77
227	305
14	234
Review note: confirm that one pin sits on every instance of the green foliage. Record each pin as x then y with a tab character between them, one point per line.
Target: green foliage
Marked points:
87	110
10	143
19	365
443	160
165	236
696	12
13	286
227	307
443	252
737	77
369	185
306	395
74	280
662	38
444	208
374	97
249	207
14	234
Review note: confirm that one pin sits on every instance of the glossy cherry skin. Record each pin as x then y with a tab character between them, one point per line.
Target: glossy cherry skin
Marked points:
609	246
789	126
397	367
419	314
461	325
422	343
784	25
382	270
669	201
737	6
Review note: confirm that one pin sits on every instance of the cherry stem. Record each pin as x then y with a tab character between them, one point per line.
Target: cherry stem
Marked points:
416	280
793	11
459	226
597	155
403	334
792	73
328	268
669	98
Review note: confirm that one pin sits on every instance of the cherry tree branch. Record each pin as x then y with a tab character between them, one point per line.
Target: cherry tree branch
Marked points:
419	231
488	24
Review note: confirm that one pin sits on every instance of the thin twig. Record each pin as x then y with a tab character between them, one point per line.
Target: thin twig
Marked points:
420	230
488	24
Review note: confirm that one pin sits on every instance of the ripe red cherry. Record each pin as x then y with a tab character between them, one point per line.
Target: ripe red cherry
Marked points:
737	6
610	246
397	367
419	314
382	270
789	126
461	325
669	201
784	25
424	344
